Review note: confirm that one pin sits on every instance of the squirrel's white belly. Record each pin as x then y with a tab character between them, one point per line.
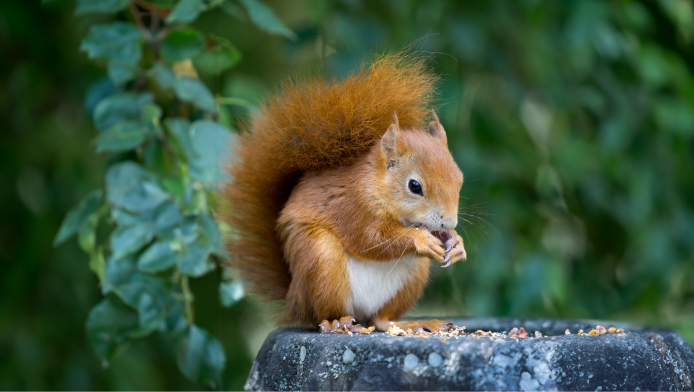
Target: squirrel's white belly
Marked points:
375	283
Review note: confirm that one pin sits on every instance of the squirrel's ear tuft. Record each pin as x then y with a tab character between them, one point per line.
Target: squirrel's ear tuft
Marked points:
436	129
389	145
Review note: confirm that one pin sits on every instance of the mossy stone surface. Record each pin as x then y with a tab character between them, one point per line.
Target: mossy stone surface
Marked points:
641	358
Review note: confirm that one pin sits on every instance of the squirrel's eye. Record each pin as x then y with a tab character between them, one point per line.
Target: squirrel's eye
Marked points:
415	187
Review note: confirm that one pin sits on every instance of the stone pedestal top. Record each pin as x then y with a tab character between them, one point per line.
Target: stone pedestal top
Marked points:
641	358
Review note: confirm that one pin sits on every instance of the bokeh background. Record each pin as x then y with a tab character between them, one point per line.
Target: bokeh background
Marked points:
573	122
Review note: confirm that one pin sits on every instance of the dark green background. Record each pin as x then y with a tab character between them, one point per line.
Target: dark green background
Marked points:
573	122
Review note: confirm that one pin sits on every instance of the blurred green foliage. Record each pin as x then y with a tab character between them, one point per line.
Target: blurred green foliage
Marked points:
572	121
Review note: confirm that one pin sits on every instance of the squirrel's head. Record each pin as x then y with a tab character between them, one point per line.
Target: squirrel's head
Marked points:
421	182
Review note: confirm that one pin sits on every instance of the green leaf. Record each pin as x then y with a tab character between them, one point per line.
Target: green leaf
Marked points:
154	156
187	233
98	91
163	75
231	292
194	200
150	116
262	16
129	239
124	136
78	215
151	113
124	279
148	294
195	92
124	218
234	10
175	320
97	264
108	327
183	44
180	129
185	11
158	257
219	58
86	236
119	73
175	186
212	144
151	312
119	107
100	6
118	42
212	234
196	260
168	217
201	357
131	187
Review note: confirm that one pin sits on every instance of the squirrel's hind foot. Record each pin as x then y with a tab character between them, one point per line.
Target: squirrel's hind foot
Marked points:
344	325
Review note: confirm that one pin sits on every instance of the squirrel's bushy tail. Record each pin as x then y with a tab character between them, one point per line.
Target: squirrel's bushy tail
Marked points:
311	125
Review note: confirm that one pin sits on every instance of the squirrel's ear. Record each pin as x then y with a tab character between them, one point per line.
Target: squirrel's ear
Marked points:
389	145
436	129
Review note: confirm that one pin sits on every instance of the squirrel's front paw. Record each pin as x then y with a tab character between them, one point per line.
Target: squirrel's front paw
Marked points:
428	245
455	251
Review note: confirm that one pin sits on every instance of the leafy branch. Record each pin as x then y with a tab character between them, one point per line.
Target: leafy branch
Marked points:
152	228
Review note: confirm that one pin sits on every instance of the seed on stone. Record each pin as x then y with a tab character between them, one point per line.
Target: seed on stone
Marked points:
538	334
348	357
522	334
435	360
411	361
601	330
593	333
567	332
612	330
302	353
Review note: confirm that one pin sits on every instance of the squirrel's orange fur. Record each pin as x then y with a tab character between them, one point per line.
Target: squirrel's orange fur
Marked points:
320	180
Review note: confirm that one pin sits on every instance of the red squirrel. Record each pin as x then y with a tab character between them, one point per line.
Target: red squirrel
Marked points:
338	197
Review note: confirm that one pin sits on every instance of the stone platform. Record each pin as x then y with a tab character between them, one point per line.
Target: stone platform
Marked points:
641	358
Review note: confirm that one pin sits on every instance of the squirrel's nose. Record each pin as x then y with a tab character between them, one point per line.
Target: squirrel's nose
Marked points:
449	223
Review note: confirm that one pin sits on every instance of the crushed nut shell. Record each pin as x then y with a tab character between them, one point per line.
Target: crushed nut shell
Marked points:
346	326
522	334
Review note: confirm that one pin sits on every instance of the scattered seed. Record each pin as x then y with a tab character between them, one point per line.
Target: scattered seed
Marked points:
522	334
